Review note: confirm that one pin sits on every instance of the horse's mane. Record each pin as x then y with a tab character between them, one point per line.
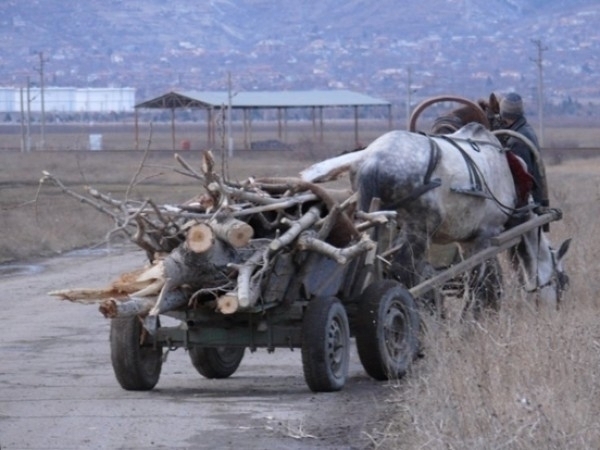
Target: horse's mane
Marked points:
474	130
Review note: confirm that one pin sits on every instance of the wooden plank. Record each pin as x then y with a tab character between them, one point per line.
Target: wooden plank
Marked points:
439	279
536	222
499	243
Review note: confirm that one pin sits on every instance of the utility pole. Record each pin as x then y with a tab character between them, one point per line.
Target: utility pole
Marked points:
40	69
229	96
23	148
408	95
540	86
28	122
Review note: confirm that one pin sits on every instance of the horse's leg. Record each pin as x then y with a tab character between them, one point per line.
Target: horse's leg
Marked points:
412	244
411	267
485	288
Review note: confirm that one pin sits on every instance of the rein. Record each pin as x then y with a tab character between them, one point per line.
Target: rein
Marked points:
475	171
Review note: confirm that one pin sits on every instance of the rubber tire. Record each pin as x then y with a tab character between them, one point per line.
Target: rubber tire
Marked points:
325	345
387	330
137	367
216	362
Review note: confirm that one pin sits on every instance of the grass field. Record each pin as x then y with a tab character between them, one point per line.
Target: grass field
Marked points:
515	380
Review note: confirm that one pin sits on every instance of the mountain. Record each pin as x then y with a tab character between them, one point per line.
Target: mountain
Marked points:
467	47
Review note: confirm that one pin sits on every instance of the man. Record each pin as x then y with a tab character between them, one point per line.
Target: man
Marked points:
511	113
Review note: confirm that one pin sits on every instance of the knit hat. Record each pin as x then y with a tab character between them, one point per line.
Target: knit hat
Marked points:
511	106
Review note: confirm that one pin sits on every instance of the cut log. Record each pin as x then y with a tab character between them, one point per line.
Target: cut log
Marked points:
199	238
228	303
141	306
234	231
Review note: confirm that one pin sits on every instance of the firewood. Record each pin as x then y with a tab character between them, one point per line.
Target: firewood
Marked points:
247	290
199	238
227	303
309	241
234	231
307	220
141	306
87	296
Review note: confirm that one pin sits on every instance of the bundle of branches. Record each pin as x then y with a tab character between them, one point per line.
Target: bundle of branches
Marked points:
216	250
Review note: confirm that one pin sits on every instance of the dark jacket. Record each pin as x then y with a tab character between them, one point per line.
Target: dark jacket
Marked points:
519	148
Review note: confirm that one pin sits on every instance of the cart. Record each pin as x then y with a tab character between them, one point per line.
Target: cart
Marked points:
308	301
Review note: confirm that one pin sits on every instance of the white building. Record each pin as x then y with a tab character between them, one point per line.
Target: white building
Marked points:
67	99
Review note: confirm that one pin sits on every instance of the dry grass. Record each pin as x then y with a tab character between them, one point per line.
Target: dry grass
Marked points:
516	380
519	379
44	222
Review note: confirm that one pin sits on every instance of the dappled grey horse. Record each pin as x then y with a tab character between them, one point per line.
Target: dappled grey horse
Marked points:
454	188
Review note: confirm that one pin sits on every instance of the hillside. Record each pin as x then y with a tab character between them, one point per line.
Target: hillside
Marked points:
461	46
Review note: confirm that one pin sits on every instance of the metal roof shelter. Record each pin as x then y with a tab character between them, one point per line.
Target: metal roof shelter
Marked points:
317	100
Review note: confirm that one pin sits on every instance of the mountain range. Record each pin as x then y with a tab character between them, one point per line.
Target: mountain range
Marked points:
388	49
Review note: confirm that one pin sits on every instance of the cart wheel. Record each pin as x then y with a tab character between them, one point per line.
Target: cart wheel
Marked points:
325	344
135	359
216	362
387	330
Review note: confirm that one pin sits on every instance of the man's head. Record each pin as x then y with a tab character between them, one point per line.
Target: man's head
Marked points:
511	107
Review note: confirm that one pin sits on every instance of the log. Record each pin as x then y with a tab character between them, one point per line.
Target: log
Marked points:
247	290
307	220
199	238
228	303
234	231
140	283
308	241
87	296
183	266
141	306
112	308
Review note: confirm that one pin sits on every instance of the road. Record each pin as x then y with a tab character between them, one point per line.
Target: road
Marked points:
58	390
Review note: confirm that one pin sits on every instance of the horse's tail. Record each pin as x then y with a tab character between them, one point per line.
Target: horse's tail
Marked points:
368	184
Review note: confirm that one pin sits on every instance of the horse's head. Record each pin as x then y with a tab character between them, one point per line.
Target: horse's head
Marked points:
491	107
544	268
562	279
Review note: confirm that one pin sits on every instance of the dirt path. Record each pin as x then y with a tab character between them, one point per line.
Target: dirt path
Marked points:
58	391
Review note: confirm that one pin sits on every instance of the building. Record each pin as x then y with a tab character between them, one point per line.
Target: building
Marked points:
67	99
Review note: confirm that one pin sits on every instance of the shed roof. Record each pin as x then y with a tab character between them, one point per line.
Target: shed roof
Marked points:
262	99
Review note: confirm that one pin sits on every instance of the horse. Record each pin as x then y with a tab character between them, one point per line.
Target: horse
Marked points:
454	188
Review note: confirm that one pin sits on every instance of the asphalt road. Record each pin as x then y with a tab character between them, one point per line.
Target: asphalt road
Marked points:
58	390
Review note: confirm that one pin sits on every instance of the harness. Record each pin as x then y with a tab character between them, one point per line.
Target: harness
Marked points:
476	187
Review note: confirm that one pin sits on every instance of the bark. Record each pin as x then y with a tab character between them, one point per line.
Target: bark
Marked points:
308	241
141	306
306	221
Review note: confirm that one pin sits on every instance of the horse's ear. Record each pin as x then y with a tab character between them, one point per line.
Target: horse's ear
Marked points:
494	104
564	247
